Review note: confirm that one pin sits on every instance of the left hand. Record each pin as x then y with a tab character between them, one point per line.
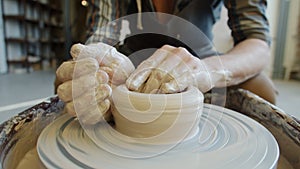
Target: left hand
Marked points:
86	81
114	63
170	70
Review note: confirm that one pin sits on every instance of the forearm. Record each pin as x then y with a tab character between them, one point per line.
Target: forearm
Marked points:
244	61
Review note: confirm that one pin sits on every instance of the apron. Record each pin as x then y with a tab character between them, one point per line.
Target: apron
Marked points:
190	26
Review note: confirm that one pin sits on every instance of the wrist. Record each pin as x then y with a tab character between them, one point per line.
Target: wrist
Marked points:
219	75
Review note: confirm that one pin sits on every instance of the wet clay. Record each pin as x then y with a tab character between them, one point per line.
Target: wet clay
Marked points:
31	160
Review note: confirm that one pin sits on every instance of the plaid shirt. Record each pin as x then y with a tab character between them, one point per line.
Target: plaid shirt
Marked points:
100	15
247	18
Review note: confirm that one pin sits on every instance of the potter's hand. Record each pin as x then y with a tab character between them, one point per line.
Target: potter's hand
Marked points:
117	65
170	70
87	80
82	82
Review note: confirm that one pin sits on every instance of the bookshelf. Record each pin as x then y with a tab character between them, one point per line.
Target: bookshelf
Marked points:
33	33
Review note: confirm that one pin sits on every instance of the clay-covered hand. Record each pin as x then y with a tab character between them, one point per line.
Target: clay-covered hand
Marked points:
86	80
117	65
170	70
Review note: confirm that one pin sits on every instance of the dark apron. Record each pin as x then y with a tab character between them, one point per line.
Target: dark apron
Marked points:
192	28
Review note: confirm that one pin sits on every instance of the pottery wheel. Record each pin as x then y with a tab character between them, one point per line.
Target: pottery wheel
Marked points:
226	139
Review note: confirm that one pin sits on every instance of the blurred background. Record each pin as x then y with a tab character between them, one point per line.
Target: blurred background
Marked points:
36	36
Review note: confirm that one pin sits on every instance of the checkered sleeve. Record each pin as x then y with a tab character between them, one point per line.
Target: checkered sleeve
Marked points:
101	14
247	19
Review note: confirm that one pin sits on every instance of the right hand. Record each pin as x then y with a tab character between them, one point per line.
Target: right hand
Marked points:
86	80
170	70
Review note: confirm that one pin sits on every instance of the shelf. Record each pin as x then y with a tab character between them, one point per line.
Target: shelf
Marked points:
41	4
34	59
58	40
14	17
15	40
49	24
21	18
24	61
34	40
44	6
20	61
34	2
32	21
35	30
55	9
44	41
21	40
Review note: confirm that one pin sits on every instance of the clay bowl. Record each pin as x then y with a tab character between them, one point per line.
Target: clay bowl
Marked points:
157	118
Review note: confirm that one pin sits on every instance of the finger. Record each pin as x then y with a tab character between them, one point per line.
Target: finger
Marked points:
74	88
69	108
176	85
108	70
201	80
79	51
56	84
96	113
168	47
186	74
121	67
169	69
82	84
65	72
85	66
176	59
137	79
185	69
76	49
104	107
103	91
152	84
106	56
159	76
143	71
156	79
64	91
91	115
117	76
90	99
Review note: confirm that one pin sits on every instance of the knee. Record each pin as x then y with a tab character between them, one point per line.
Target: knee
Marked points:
262	86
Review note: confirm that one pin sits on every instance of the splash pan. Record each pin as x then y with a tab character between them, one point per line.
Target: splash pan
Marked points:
226	139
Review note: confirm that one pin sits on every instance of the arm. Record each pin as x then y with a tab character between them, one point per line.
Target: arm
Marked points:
171	69
177	68
244	61
250	31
